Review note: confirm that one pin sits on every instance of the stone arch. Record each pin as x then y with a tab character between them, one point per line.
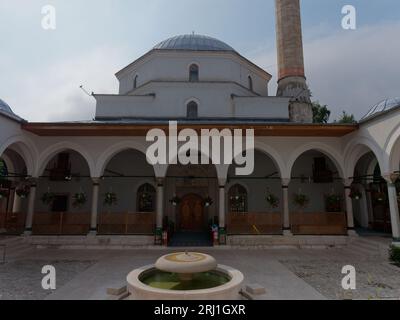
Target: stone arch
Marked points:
328	151
26	149
115	149
355	150
57	148
392	150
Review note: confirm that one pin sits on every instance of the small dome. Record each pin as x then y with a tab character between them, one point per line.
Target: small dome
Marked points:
383	106
193	42
5	107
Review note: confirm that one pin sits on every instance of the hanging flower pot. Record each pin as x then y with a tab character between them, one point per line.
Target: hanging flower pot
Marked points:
79	199
301	200
110	199
22	192
272	200
175	201
48	197
355	194
380	197
207	202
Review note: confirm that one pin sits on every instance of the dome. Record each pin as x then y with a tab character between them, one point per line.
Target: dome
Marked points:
5	107
383	106
193	42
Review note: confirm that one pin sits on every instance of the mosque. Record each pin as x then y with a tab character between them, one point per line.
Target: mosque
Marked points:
90	181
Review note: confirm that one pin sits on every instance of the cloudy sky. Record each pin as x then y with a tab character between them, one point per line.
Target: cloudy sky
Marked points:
41	71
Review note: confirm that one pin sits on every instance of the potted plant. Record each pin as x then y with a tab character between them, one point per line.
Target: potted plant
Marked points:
379	197
79	199
301	200
333	203
175	200
355	194
207	202
3	193
48	197
110	199
272	200
22	192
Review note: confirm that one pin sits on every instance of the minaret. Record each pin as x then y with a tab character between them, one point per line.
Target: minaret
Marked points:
291	76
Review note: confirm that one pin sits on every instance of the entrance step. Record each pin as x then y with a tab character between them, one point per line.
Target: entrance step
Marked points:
191	239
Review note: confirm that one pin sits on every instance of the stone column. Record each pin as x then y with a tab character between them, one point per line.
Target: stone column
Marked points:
221	212
16	207
160	203
95	205
394	207
349	207
31	206
285	207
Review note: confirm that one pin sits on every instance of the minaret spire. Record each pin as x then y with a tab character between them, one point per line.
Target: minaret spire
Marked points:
291	75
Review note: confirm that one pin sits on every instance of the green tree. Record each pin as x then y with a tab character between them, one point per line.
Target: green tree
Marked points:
346	118
321	113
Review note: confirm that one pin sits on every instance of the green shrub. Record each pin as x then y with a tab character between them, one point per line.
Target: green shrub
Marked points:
395	255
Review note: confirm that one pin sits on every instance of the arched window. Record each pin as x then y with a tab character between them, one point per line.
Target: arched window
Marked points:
145	198
250	83
192	110
135	82
237	198
194	73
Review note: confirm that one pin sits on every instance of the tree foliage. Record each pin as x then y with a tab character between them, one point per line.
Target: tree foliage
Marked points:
321	113
346	118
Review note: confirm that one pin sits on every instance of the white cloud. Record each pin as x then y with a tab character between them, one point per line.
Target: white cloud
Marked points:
351	70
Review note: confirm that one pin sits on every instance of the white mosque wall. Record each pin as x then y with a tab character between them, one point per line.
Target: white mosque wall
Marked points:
174	66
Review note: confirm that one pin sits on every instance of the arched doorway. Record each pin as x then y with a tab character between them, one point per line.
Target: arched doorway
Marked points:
191	213
14	191
316	196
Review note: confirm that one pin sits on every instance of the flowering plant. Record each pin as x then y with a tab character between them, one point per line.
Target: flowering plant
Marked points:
79	199
355	194
272	200
110	199
175	200
301	200
22	192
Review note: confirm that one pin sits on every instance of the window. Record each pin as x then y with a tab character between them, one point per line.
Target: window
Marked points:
192	110
145	198
250	83
194	73
237	198
135	82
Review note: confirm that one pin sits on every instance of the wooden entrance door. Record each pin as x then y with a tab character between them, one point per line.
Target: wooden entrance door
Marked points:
191	213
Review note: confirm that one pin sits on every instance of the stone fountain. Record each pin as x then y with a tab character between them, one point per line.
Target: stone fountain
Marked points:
185	276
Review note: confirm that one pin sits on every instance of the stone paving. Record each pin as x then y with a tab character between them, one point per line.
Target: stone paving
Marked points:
300	274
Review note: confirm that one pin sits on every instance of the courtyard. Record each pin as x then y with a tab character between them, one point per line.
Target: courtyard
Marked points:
286	274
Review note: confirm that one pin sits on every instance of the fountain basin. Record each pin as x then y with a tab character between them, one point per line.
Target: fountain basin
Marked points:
224	283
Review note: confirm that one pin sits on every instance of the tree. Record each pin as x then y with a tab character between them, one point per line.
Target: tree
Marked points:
347	118
321	113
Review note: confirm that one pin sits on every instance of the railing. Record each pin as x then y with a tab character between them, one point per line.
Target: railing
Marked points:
124	223
249	223
60	223
318	223
12	222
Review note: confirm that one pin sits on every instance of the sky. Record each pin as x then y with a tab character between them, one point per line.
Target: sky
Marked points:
41	70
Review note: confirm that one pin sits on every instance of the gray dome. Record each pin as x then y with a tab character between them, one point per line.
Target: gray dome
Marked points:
5	107
383	106
193	42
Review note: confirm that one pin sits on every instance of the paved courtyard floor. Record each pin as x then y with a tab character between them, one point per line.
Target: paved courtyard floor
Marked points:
285	273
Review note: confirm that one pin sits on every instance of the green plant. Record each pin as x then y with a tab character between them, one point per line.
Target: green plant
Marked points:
175	200
355	194
272	200
22	192
321	113
110	199
394	253
48	197
79	199
333	203
301	200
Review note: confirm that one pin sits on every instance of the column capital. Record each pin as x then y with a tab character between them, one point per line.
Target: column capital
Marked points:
391	178
96	181
285	182
33	181
160	181
347	182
